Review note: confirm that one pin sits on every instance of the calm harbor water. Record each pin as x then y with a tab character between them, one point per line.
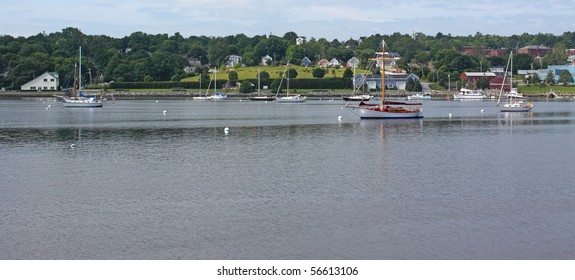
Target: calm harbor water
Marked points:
289	181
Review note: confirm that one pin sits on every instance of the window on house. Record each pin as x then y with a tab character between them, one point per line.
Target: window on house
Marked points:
33	88
51	80
52	88
45	80
45	88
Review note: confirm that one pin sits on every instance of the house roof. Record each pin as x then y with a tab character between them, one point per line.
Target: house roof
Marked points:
535	47
323	62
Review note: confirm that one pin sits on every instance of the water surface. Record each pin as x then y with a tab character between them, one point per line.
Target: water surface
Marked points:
289	181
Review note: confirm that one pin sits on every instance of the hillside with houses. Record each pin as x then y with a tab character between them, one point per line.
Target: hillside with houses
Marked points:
45	61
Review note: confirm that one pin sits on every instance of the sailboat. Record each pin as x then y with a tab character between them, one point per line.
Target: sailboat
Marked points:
355	96
514	102
77	98
261	97
214	96
387	109
217	95
289	99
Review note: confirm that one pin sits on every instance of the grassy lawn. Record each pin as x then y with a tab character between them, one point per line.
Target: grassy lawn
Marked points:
543	89
275	71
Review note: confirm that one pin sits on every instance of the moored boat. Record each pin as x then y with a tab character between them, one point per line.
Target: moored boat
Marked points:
77	98
357	97
465	93
287	98
514	102
387	109
419	96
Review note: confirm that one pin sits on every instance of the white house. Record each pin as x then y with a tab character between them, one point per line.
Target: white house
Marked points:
46	81
299	40
233	60
334	62
353	62
392	80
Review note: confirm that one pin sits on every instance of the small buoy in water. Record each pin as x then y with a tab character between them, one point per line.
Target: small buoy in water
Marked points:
164	112
482	110
226	130
339	118
156	101
48	108
72	146
450	115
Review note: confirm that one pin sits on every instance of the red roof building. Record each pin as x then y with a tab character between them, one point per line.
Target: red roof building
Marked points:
535	51
473	77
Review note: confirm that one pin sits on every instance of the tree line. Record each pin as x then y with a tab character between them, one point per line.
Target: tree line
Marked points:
142	57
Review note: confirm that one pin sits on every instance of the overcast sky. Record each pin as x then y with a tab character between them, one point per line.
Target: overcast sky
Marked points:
319	19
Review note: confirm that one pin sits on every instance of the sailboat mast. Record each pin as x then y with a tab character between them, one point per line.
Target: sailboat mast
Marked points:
511	78
287	75
80	72
258	81
382	73
75	80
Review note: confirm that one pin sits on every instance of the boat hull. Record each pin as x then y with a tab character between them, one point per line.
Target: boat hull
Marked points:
83	105
515	109
376	113
81	102
219	97
419	96
356	98
262	98
469	97
291	99
202	98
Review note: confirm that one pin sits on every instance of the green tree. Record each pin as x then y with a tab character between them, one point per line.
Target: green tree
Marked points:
318	73
246	87
533	79
292	73
550	79
418	86
410	85
522	61
348	73
233	76
264	75
565	78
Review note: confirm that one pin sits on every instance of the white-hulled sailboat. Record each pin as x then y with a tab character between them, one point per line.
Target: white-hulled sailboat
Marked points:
513	104
289	99
387	109
77	98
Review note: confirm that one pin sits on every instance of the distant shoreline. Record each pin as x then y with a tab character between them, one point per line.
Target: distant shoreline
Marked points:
127	95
